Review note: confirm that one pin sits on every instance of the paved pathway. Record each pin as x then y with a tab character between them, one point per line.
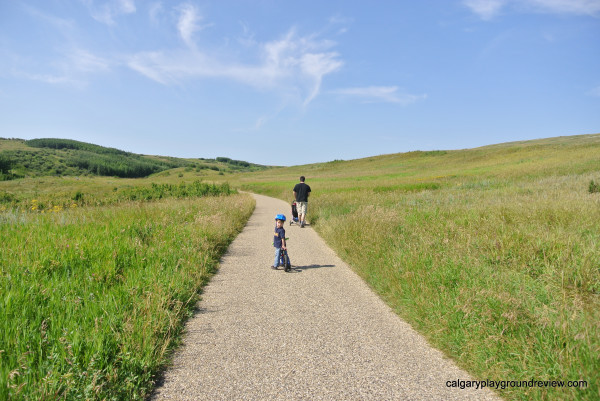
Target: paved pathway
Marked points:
317	333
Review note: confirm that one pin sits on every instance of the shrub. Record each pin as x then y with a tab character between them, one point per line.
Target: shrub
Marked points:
5	164
78	197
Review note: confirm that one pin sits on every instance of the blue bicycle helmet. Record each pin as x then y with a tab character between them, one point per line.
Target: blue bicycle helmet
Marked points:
280	217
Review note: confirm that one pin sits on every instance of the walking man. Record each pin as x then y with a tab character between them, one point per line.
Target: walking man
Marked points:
301	193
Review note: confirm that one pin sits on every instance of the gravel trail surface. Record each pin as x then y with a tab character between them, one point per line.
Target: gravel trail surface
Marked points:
316	333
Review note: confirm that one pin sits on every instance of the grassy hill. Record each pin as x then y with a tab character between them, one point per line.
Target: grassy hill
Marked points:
64	157
412	171
492	253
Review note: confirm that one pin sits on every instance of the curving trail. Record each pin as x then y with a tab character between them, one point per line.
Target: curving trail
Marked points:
317	333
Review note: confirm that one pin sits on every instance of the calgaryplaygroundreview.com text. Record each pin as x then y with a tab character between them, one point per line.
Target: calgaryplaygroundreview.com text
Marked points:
503	384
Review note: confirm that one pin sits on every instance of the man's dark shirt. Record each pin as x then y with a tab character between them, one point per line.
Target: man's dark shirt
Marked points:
301	191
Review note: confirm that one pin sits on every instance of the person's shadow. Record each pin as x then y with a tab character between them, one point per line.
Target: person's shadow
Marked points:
299	269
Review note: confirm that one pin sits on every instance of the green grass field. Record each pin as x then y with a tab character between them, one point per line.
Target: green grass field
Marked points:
492	253
93	298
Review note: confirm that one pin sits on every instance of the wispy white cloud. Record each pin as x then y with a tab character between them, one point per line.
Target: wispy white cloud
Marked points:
580	7
260	121
247	37
158	66
189	23
127	6
63	62
340	23
389	94
73	69
292	65
84	61
106	12
154	10
339	19
48	78
488	9
65	26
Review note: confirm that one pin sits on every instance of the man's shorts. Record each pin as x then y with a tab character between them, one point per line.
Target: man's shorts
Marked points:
301	207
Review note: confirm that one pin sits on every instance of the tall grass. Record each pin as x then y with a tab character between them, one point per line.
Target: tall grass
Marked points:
92	299
84	196
506	284
492	253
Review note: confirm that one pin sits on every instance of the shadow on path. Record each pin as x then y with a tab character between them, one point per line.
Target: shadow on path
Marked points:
300	268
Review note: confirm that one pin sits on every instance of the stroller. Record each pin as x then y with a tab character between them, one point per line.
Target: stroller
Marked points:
294	218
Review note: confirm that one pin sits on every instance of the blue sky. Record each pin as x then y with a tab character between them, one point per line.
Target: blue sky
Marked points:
296	82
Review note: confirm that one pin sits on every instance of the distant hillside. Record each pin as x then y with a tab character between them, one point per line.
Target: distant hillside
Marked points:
64	157
422	170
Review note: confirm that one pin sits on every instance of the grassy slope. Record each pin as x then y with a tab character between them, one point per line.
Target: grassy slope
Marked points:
492	253
40	181
29	161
